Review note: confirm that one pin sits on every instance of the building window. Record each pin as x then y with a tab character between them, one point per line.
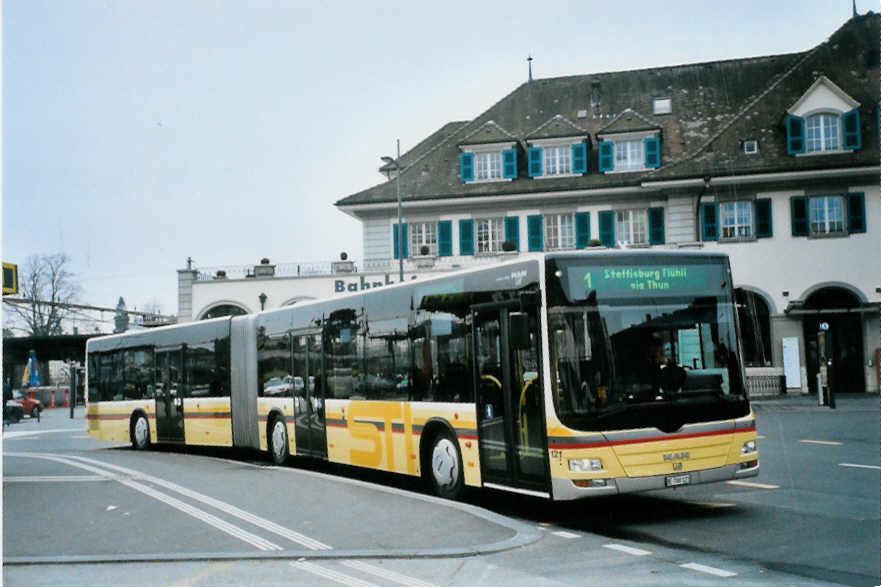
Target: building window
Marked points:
826	215
488	165
822	133
558	160
490	235
559	232
629	155
737	219
423	234
631	226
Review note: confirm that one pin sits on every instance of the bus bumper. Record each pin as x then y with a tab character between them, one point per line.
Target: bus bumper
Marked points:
565	489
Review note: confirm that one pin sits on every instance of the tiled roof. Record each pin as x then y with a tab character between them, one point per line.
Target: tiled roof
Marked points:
715	106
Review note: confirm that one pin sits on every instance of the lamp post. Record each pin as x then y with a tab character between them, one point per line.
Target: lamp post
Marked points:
397	163
262	297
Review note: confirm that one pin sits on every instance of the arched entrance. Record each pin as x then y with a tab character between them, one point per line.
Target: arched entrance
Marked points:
755	326
833	330
223	310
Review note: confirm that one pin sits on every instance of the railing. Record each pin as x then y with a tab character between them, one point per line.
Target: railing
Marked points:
417	264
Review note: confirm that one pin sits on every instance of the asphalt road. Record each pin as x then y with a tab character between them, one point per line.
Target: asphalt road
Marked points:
221	517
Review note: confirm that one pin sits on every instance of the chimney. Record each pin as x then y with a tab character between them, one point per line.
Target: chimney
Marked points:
264	269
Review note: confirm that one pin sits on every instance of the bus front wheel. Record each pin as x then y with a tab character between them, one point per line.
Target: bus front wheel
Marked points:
445	466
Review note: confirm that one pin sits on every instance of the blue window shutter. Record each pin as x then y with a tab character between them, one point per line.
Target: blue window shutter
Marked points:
764	223
395	240
799	208
534	229
710	221
856	212
509	163
795	134
536	168
579	158
656	226
607	228
466	167
466	237
582	229
850	123
652	152
512	231
445	238
606	153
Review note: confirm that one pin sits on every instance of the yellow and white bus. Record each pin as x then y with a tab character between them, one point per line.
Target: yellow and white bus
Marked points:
560	375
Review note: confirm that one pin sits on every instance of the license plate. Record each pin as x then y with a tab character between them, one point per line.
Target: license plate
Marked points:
678	480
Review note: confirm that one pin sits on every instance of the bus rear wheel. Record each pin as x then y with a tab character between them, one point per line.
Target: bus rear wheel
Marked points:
278	441
444	466
140	432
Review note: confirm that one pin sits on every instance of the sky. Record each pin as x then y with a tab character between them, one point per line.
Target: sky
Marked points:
138	134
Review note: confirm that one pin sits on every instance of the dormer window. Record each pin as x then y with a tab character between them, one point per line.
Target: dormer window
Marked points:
558	157
484	163
824	120
558	160
629	152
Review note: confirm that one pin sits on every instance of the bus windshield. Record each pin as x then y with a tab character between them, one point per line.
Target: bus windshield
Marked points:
641	342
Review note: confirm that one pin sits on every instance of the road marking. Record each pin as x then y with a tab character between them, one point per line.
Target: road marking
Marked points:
291	535
83	437
708	570
386	574
627	549
20	433
332	575
760	437
822	442
564	534
53	478
855	466
195	512
753	484
713	504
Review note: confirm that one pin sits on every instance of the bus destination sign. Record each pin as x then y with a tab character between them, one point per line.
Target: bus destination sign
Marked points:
646	279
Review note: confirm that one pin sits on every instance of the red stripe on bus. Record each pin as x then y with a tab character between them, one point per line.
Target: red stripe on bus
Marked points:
207	415
606	443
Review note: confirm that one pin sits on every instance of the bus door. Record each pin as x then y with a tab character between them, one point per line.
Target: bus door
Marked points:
170	392
309	424
510	404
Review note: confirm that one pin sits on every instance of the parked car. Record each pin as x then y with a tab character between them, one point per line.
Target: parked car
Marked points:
31	406
279	386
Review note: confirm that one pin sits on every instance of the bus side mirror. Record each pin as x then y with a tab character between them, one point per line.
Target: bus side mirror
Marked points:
518	330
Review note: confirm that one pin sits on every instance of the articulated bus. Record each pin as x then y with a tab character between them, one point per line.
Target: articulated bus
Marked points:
560	375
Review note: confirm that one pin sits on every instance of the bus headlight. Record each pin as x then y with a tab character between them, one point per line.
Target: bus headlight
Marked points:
748	447
585	465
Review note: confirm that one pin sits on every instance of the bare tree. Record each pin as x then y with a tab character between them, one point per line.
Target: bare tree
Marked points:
47	285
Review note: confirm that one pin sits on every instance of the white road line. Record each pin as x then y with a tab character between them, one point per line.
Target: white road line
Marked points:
708	570
54	478
386	574
855	466
753	484
627	549
822	442
564	534
231	510
332	575
19	433
195	512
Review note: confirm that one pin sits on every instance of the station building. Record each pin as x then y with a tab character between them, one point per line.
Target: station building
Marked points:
774	160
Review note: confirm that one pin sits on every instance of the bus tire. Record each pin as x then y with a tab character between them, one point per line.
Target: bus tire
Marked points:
277	438
140	432
443	468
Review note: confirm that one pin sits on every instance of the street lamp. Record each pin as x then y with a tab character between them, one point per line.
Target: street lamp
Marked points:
262	297
397	163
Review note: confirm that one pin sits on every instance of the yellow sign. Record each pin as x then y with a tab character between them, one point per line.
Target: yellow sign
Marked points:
10	278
